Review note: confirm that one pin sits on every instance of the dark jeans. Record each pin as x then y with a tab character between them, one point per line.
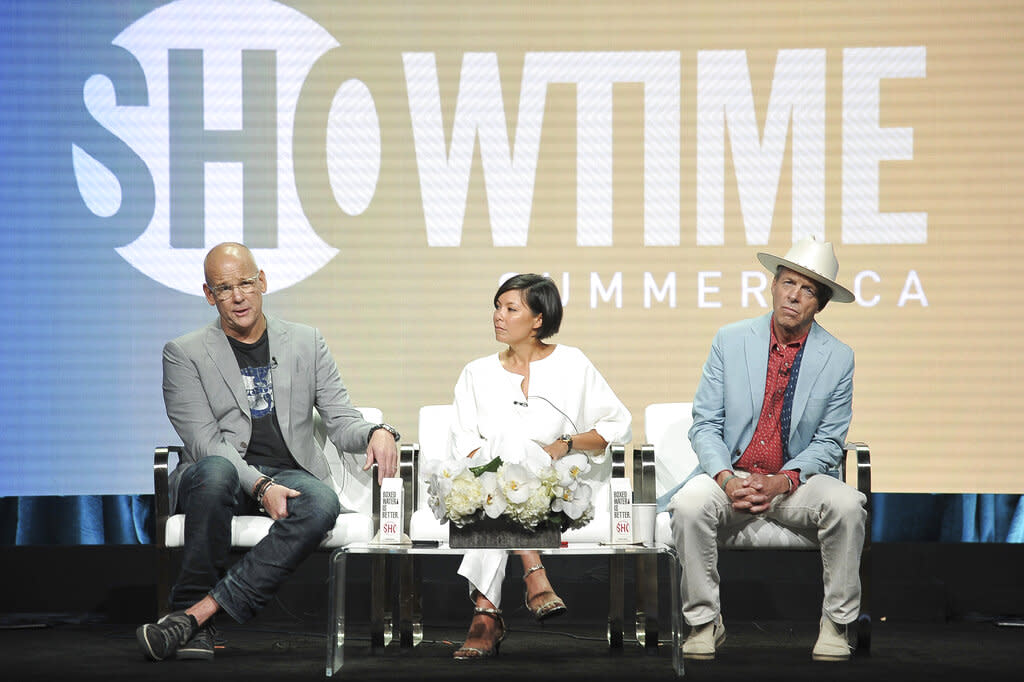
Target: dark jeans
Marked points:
210	496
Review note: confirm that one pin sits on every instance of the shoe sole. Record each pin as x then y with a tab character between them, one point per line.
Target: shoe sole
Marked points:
551	613
194	655
471	652
830	658
477	653
147	650
699	657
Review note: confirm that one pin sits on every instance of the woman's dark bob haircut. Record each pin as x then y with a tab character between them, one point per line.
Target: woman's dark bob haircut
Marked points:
541	295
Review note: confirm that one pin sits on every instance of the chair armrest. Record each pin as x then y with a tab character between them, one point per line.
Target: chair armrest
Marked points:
644	474
863	465
408	453
407	472
374	497
618	453
863	479
161	489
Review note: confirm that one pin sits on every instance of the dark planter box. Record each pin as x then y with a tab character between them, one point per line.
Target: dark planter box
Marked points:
501	533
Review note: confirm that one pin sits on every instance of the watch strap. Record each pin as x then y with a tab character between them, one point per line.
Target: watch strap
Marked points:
387	427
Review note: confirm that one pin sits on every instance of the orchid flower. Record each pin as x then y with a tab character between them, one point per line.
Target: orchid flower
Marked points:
570	468
517	482
574	501
495	503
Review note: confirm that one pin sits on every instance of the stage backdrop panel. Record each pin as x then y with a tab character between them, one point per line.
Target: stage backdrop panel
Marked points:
390	162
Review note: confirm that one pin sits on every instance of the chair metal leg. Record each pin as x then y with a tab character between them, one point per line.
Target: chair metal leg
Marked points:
864	485
380	608
410	602
616	603
646	566
161	503
864	620
647	601
163	581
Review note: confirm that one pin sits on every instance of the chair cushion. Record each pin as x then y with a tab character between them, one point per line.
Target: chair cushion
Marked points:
758	533
598	530
423	526
247	531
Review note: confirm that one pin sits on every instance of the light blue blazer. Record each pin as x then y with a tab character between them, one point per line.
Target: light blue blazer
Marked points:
207	405
729	397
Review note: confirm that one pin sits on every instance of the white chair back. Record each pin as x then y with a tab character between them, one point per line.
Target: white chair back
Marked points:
667	426
434	423
348	479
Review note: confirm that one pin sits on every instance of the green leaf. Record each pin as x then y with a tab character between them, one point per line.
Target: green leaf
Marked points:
491	466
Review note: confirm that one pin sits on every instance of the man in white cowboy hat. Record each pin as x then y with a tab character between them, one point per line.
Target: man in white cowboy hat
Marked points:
770	418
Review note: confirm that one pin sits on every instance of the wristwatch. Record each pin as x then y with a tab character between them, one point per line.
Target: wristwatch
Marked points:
387	427
567	439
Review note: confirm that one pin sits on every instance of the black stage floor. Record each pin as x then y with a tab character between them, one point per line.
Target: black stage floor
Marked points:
770	650
71	613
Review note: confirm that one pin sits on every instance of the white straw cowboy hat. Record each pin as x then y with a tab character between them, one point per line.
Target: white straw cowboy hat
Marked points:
813	259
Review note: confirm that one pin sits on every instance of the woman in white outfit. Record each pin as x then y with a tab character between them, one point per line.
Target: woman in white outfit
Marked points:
530	399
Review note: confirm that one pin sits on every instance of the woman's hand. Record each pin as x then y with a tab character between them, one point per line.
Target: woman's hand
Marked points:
581	442
557	450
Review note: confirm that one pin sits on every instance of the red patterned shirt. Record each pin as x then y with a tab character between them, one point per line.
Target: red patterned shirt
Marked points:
764	454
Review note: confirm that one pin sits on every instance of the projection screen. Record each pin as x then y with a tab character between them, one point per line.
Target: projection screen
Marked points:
390	162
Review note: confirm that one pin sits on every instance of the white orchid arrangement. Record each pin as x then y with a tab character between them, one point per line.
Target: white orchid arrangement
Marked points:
529	495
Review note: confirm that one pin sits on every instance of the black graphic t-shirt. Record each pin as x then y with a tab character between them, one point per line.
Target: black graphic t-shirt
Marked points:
267	446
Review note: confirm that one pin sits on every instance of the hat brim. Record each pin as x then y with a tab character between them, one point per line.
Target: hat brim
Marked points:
840	294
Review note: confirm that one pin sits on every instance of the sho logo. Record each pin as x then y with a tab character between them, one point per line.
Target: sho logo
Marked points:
216	137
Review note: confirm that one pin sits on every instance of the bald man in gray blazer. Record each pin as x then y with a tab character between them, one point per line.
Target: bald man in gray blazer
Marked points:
241	392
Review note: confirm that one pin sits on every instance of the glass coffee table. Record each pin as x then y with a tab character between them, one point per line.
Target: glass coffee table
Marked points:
644	555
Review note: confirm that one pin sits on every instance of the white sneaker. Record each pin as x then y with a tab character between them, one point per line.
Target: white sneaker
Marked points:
833	643
704	639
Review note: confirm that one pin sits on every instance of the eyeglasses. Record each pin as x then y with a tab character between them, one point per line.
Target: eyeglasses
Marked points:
225	292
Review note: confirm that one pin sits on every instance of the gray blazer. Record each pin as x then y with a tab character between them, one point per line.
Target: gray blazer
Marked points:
206	402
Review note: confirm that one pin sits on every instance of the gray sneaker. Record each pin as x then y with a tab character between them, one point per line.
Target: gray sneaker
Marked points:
161	639
704	640
200	647
833	642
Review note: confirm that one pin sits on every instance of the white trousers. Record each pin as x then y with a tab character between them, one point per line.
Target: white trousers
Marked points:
836	510
485	571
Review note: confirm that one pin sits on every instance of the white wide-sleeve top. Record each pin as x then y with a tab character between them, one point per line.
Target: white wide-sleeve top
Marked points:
566	395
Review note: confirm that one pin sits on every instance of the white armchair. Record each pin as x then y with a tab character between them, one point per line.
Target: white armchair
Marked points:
667	458
357	490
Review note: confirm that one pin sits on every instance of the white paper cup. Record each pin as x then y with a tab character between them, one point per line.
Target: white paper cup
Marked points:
643	522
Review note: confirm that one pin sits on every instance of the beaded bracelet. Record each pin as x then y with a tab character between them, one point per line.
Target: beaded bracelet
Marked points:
727	479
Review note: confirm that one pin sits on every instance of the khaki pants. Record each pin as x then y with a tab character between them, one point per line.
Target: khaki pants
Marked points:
835	509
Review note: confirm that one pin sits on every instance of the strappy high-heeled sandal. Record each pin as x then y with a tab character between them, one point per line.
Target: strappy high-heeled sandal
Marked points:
553	606
467	652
